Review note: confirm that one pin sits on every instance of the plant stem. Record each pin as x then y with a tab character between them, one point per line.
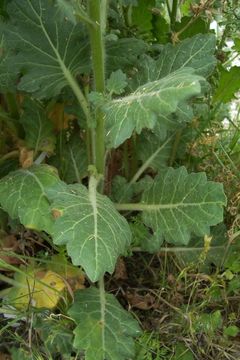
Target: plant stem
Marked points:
11	155
97	12
78	93
173	13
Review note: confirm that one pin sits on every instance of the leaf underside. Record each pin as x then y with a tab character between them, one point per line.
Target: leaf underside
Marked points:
108	336
141	108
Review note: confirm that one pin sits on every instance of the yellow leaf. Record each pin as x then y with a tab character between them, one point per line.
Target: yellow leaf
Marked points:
40	289
73	275
47	293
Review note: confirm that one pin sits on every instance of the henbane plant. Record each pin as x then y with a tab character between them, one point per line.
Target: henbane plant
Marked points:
64	51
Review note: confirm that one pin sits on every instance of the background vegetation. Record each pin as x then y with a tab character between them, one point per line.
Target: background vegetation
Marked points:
185	297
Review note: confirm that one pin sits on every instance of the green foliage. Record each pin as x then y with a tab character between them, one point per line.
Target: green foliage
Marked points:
48	59
228	85
117	82
209	323
178	209
136	80
182	353
142	16
71	158
23	196
56	335
104	333
213	251
141	108
38	128
83	224
150	149
231	330
196	52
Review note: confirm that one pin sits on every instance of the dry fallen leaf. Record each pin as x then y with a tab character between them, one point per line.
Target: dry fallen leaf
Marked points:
9	243
120	271
143	302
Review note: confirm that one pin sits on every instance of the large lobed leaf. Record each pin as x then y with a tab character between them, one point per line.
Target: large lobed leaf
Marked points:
196	52
141	108
103	332
23	196
177	204
50	50
87	222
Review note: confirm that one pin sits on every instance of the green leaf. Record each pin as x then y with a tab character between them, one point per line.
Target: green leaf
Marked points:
228	85
102	332
38	128
88	223
142	15
8	76
178	204
23	196
117	82
50	51
19	354
56	335
182	353
161	29
152	150
196	52
123	53
199	26
141	108
208	323
67	9
216	253
71	159
120	190
231	330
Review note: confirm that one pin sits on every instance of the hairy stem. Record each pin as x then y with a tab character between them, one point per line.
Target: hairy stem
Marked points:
97	12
